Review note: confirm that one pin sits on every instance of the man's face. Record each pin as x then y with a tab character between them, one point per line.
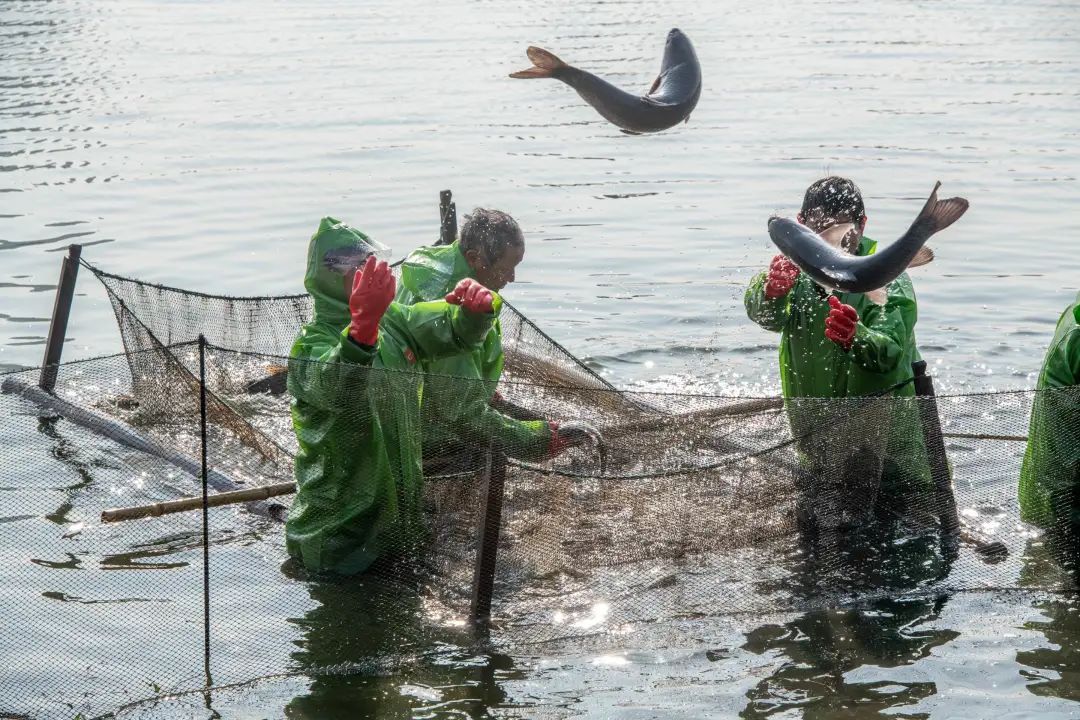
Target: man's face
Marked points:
498	274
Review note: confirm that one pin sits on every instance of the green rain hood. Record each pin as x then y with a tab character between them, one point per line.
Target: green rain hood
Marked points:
356	414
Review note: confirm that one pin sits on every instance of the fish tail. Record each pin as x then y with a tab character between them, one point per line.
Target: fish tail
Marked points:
545	64
937	215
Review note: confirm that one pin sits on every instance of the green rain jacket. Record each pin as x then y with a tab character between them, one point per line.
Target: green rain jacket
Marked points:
356	413
455	411
1050	477
812	366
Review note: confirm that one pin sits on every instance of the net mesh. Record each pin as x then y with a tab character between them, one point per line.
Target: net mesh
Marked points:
697	506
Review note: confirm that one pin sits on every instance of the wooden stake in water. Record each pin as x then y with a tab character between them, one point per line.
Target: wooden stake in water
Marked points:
447	218
935	448
65	291
990	550
487	540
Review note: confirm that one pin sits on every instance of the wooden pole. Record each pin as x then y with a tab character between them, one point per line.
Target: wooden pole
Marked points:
935	448
447	218
168	507
745	407
65	291
991	550
487	541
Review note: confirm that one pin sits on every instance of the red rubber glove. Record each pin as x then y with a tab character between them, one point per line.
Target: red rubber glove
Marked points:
573	434
841	322
782	276
372	292
472	296
555	444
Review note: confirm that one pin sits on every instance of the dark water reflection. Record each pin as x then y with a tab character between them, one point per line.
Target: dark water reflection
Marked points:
821	648
365	658
1054	671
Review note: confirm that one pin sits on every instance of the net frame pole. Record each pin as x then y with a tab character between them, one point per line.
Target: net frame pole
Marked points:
935	448
447	218
205	512
487	539
65	292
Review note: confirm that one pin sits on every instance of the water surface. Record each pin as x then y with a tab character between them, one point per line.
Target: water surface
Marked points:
198	145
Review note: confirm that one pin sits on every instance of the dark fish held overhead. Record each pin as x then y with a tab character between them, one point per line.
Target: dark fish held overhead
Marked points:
673	95
834	269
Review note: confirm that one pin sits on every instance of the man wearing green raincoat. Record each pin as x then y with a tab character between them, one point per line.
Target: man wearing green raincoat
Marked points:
1050	477
356	402
846	345
473	414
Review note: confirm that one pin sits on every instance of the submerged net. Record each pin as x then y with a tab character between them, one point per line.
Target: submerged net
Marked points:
699	506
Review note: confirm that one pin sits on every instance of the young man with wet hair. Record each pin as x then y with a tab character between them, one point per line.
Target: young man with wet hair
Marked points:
844	345
1050	476
464	418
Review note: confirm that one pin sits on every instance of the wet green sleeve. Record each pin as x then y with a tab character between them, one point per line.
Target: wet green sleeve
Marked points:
884	333
1063	362
522	439
469	407
436	330
323	365
771	314
457	395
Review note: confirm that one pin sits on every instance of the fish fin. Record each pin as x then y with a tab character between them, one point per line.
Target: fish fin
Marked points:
878	297
940	214
949	211
836	234
924	257
545	64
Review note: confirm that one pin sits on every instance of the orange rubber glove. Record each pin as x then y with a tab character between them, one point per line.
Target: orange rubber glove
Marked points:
372	292
471	296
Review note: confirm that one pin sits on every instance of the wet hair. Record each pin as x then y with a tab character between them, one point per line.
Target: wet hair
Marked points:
834	197
490	233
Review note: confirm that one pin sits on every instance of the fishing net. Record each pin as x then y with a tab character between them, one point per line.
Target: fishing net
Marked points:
694	506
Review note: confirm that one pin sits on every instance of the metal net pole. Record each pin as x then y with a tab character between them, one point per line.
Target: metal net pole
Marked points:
205	511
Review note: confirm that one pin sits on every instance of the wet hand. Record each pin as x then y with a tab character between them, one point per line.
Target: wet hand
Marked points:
372	292
472	296
841	322
782	276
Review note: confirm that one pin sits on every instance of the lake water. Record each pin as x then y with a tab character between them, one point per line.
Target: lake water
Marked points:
198	145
